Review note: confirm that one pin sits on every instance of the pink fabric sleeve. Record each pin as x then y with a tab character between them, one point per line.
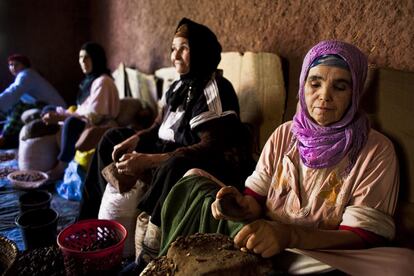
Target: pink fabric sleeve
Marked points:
379	261
378	177
371	239
374	197
103	99
271	155
259	198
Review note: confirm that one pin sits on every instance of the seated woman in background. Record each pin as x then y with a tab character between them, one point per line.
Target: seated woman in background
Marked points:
97	104
29	90
325	180
198	125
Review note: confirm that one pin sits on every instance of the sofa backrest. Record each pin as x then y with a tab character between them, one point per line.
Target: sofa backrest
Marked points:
167	75
258	81
139	96
132	83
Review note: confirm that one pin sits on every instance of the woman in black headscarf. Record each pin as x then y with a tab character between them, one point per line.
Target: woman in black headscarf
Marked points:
198	126
97	103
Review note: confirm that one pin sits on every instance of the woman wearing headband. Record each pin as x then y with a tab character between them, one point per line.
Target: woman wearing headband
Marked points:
29	90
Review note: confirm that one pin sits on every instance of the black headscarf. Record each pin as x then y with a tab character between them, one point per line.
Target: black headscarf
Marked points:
205	55
99	67
205	50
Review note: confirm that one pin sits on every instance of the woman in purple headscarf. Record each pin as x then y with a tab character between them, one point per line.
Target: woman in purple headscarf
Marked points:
325	180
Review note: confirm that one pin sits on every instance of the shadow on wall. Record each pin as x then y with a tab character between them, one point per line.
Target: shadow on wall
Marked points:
50	34
139	29
387	101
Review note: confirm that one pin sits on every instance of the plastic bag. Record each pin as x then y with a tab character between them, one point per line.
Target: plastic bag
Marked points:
72	184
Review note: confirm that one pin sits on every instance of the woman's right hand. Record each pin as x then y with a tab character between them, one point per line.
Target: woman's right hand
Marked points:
230	204
127	146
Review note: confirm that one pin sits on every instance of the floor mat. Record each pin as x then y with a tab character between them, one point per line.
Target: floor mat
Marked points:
9	202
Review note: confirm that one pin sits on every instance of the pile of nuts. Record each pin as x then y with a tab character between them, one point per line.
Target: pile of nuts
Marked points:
40	261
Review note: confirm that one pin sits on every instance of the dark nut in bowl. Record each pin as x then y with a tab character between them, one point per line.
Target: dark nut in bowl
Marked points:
27	179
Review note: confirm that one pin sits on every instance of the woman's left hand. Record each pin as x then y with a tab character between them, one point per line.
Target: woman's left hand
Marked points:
264	237
132	163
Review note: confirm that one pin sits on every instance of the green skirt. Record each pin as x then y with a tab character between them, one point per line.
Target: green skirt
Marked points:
187	210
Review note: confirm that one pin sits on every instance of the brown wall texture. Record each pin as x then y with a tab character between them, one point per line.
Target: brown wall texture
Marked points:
50	33
139	32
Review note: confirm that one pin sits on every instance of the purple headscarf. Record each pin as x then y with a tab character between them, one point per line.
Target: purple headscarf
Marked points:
325	146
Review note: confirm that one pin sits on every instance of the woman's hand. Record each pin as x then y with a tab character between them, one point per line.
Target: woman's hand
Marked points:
53	117
136	163
264	237
230	204
127	146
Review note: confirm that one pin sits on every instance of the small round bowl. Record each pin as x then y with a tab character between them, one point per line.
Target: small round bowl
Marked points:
35	199
27	179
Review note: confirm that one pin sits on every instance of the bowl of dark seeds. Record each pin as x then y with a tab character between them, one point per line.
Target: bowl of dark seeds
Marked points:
27	179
